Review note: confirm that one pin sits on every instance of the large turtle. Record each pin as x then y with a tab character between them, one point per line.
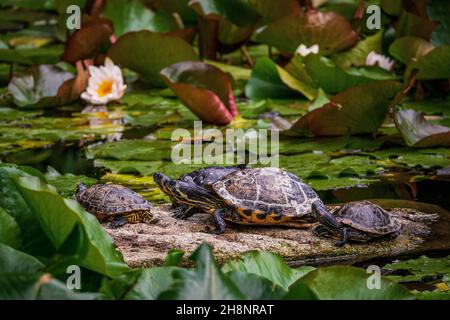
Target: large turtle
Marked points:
260	196
113	202
359	221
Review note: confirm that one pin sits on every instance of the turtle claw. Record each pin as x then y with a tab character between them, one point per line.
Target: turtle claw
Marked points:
118	222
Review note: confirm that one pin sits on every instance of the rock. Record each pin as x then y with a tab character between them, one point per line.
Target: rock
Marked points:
146	245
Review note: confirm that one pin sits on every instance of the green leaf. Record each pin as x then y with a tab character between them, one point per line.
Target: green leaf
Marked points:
174	258
14	261
147	53
268	80
348	283
39	90
332	32
135	16
409	49
144	284
256	287
9	230
360	109
205	282
418	132
204	89
333	79
267	265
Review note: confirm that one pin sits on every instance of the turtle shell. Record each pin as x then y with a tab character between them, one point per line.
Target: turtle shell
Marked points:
111	200
260	193
207	176
367	217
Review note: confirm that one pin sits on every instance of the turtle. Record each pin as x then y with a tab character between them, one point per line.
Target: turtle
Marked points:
113	202
358	221
249	196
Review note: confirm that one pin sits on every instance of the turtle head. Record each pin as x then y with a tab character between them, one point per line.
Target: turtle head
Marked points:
186	192
321	213
80	188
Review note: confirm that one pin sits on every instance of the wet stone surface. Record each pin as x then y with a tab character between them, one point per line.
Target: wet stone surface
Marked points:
146	245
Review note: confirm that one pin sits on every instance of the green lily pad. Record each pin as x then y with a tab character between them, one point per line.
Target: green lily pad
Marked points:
135	16
147	53
420	268
410	49
268	80
332	32
132	150
433	65
333	79
346	283
437	10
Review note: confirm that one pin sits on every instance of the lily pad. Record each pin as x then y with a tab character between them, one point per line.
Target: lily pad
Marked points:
333	79
410	49
147	53
135	16
269	80
40	89
332	32
360	109
204	89
418	132
433	66
420	268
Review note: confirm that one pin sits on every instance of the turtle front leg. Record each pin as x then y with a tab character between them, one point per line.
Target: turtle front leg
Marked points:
118	222
219	216
345	236
183	212
321	231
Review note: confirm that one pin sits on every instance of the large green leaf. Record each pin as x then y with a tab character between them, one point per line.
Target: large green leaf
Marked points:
135	16
268	80
418	132
147	53
267	265
333	79
346	283
332	32
256	287
360	109
14	261
206	281
204	89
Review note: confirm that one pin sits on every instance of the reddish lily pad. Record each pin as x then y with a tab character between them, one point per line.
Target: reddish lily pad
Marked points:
87	41
418	132
357	110
147	53
332	32
204	89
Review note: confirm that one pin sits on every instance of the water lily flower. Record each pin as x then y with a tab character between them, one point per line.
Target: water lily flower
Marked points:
384	62
304	50
105	84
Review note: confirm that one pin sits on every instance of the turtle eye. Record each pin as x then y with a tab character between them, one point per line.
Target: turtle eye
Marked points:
172	183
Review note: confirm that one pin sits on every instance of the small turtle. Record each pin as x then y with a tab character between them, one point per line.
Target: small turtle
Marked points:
259	196
359	221
112	202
